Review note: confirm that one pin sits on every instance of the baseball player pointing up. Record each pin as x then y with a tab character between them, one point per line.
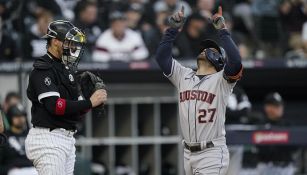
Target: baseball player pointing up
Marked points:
203	95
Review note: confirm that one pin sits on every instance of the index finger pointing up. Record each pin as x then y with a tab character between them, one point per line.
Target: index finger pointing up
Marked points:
182	9
220	11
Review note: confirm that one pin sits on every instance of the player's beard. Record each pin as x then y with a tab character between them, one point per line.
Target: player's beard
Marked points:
201	57
202	61
60	51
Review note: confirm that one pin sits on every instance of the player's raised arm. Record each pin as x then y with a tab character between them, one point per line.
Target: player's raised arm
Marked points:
233	68
164	51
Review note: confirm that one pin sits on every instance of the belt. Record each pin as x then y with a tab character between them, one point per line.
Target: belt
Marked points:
65	131
197	146
50	129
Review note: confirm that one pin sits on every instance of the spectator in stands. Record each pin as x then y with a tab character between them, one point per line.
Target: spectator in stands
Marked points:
239	38
147	10
265	8
243	28
238	107
36	6
187	43
86	19
205	8
245	51
3	9
11	99
267	26
242	13
172	6
134	16
296	45
148	14
8	48
34	45
13	158
153	36
293	14
273	110
60	8
118	43
275	159
304	38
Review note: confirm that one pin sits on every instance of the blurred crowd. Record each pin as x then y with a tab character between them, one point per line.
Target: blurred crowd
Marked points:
13	159
119	30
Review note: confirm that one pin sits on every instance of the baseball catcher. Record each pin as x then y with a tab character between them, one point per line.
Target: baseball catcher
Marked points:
57	104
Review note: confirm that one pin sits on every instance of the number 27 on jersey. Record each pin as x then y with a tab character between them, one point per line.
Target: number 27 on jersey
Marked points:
206	115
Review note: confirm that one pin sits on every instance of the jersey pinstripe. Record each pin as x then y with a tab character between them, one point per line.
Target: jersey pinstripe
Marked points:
52	152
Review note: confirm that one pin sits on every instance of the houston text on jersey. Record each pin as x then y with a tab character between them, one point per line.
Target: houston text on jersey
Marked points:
197	95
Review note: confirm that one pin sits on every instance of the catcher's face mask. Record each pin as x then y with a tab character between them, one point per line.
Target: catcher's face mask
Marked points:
73	47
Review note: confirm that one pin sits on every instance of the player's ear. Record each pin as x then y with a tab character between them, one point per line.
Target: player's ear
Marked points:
53	42
56	42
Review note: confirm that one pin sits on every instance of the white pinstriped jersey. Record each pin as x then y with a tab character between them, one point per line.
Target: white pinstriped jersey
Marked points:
202	103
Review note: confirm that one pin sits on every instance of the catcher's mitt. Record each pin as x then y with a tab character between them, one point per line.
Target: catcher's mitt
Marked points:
89	83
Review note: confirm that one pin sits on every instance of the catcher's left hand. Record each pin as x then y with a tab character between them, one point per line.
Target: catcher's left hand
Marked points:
218	20
89	83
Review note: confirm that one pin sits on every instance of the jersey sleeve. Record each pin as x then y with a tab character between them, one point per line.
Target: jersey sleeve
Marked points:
226	81
233	78
177	73
43	82
233	68
226	86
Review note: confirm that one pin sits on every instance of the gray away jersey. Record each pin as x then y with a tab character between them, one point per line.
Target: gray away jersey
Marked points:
202	103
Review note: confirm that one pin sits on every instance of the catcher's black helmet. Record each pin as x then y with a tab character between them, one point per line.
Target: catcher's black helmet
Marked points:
73	41
58	29
218	59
